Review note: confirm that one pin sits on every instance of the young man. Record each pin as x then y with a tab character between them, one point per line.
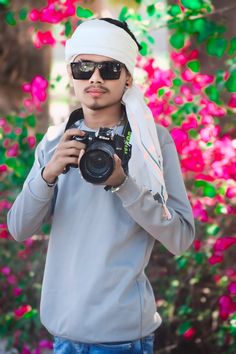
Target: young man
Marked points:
96	297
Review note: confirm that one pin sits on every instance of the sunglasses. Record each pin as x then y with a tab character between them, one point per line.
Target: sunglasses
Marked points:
84	69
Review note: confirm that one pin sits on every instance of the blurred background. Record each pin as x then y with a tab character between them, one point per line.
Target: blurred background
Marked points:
187	70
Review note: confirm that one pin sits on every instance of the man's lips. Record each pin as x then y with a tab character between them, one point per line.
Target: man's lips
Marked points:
95	92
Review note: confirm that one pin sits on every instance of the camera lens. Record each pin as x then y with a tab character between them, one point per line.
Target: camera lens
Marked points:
97	163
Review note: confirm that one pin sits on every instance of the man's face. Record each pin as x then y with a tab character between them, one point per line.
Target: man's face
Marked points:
96	93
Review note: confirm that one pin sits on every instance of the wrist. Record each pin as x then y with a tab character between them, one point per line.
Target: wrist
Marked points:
49	179
121	185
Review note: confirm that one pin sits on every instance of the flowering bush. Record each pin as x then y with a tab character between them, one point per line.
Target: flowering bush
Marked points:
196	291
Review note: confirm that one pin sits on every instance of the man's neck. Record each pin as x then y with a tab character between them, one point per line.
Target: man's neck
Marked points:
107	117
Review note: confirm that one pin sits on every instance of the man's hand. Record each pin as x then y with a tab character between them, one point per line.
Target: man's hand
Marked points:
118	175
66	153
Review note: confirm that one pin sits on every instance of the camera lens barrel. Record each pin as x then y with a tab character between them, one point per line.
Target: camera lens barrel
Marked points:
97	163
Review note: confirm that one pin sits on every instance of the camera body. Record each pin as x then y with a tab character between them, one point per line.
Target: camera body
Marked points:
97	163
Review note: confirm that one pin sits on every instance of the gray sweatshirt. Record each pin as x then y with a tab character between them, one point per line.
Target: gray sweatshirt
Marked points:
95	288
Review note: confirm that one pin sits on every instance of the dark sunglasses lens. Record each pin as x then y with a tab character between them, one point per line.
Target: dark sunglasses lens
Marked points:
110	70
82	70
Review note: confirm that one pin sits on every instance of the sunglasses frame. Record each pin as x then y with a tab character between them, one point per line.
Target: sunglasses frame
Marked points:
99	66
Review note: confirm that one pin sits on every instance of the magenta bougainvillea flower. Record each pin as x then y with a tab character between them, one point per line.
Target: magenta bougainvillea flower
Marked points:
43	38
232	101
55	11
22	310
226	306
190	333
37	89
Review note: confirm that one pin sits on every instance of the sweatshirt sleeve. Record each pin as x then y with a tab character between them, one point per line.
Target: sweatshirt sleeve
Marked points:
175	234
33	205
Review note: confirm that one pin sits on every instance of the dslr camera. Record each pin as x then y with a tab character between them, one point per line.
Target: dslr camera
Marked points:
97	163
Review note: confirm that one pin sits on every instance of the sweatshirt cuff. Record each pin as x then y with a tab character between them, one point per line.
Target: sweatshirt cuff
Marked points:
39	188
130	191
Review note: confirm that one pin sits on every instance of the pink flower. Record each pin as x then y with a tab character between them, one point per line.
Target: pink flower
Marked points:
190	333
178	100
13	150
216	258
31	141
189	123
232	101
180	138
5	270
232	288
183	56
3	168
22	310
210	132
197	245
11	279
16	291
25	349
223	243
38	92
199	212
227	306
44	38
45	344
3	231
231	192
188	75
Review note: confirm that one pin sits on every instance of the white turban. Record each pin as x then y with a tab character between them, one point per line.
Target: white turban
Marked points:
103	38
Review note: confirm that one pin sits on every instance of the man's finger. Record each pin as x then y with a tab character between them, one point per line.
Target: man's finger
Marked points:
72	132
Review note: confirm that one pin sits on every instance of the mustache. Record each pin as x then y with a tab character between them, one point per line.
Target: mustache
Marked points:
99	87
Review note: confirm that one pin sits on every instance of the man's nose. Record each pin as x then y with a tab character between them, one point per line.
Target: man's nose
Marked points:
96	77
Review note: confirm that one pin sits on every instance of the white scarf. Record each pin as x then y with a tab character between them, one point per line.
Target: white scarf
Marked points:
103	38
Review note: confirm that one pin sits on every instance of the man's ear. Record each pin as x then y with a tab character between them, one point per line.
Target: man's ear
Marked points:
129	80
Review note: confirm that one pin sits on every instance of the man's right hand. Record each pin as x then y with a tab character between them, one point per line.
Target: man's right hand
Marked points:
67	152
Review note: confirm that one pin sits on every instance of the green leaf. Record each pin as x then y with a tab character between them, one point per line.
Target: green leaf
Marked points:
192	4
181	262
81	12
144	50
177	40
177	82
184	310
193	134
209	191
183	327
216	47
151	10
4	2
151	39
17	165
212	93
232	47
161	92
212	229
31	121
9	18
231	82
194	65
174	10
123	14
23	13
68	28
198	257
